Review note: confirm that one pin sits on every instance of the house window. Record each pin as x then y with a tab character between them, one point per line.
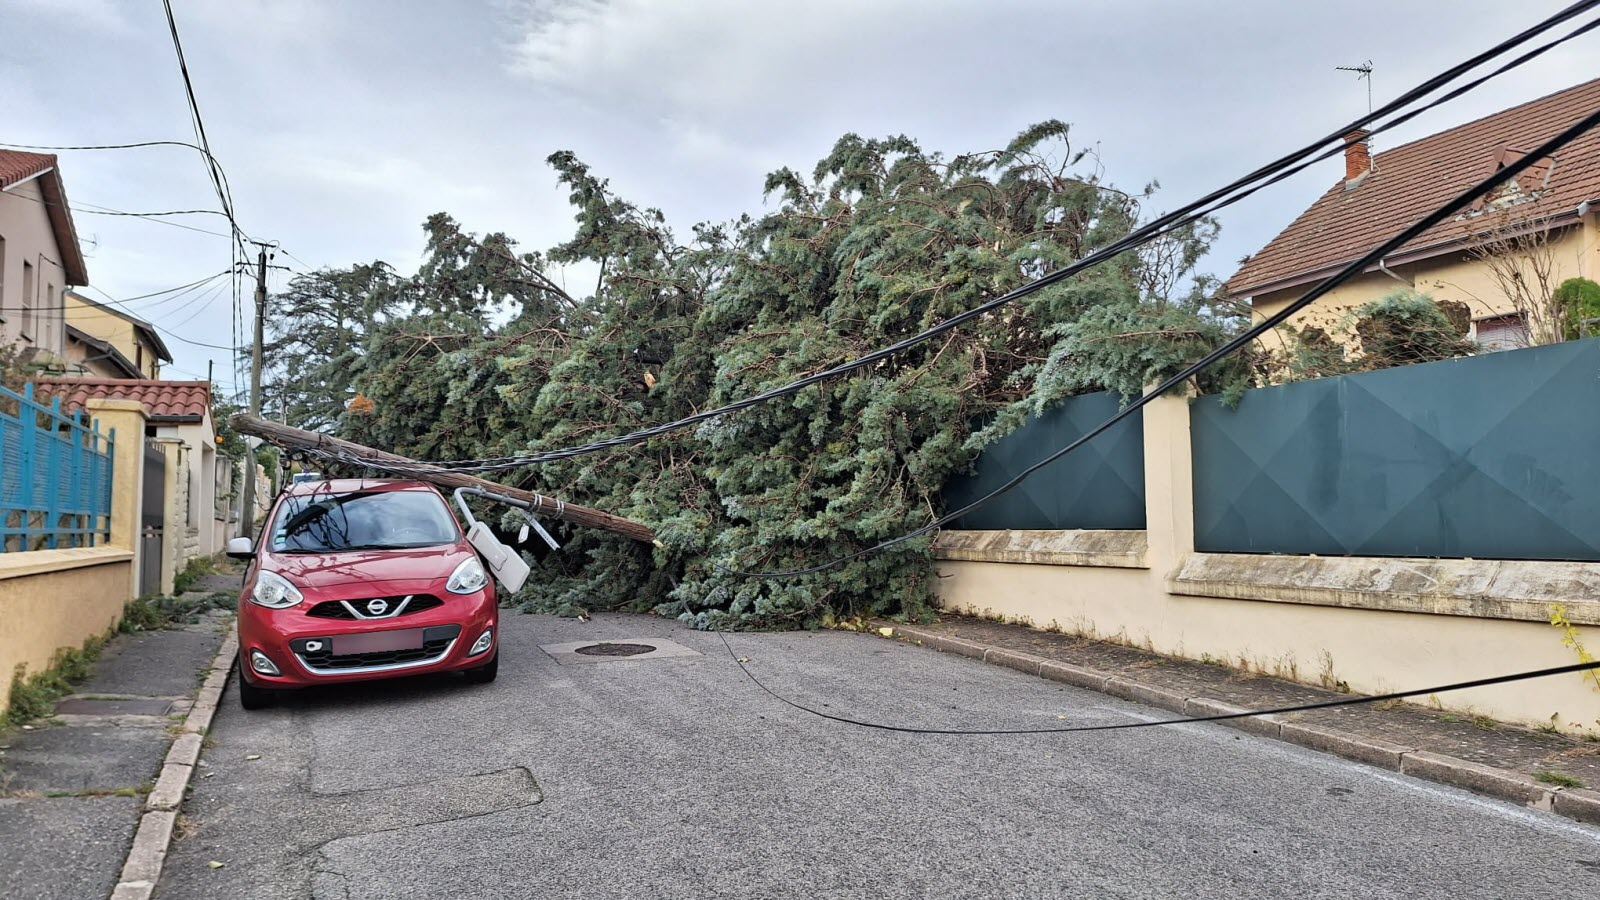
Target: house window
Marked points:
27	300
1506	332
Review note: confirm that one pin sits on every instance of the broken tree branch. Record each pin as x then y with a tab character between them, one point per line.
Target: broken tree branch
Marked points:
549	507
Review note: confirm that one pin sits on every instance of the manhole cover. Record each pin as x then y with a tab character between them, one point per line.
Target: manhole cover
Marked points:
614	649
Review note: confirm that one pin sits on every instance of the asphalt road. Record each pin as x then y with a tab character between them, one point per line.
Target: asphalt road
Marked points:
677	777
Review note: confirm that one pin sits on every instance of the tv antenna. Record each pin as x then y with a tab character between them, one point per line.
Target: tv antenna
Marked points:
1363	72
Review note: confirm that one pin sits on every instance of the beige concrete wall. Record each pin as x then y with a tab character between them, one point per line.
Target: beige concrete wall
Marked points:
55	599
1363	634
126	418
25	228
1574	253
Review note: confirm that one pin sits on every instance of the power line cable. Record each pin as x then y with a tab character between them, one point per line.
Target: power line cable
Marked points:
1207	205
1460	202
163	330
1128	726
155	217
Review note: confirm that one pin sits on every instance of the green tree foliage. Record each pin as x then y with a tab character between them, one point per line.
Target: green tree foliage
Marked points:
483	354
1579	300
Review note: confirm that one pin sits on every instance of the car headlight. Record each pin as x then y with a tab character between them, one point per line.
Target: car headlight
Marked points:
468	578
274	591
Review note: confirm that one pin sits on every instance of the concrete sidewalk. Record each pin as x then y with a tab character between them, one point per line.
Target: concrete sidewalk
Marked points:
1553	772
72	787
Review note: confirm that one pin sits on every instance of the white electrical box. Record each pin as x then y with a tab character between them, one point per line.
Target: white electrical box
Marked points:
504	562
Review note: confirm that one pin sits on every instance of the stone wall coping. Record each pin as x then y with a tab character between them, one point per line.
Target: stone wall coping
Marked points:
1105	548
43	562
1481	588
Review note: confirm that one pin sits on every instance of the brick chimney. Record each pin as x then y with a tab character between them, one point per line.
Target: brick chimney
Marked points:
1357	157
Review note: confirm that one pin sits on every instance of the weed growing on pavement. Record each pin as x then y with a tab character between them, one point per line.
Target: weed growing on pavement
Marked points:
156	613
33	697
1557	779
196	568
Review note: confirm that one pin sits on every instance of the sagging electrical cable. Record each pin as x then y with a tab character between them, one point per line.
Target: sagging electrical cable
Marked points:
1207	205
1186	720
1460	202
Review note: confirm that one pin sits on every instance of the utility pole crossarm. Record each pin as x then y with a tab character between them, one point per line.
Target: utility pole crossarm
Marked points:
549	507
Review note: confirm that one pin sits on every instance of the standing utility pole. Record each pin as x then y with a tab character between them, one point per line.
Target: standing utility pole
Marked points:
247	514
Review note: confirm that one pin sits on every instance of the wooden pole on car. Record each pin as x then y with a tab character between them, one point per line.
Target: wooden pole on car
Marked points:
548	507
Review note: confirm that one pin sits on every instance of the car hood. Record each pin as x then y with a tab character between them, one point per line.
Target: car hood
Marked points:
319	570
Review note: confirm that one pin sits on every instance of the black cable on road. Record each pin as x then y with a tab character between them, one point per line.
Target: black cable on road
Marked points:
1206	205
1187	720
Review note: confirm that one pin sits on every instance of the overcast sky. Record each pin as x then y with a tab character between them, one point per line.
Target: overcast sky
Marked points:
342	124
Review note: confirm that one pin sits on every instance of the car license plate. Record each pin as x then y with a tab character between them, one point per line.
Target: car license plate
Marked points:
377	641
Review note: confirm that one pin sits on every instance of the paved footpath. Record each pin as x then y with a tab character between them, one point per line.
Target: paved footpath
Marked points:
675	776
72	788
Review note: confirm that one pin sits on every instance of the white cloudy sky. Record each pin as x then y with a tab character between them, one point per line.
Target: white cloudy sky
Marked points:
344	123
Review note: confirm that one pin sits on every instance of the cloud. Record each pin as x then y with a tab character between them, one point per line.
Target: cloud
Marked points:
105	15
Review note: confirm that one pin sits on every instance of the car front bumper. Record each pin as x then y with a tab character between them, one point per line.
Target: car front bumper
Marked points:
300	647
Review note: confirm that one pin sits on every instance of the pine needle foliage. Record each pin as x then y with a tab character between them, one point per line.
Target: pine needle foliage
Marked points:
482	354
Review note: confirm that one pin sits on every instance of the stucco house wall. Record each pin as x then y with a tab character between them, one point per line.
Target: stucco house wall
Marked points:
26	240
1574	253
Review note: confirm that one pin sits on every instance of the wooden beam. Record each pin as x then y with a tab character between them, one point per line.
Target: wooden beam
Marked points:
548	507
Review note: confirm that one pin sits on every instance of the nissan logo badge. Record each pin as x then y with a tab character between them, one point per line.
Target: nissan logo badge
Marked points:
378	606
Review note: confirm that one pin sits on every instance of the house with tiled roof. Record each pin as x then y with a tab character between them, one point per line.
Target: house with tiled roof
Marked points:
197	519
106	341
1555	205
39	255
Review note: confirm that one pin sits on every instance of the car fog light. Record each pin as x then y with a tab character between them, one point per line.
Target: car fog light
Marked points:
260	663
482	643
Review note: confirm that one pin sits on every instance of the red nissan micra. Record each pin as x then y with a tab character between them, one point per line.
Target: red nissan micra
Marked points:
356	579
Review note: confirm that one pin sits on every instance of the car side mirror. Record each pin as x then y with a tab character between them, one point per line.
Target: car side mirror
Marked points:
240	548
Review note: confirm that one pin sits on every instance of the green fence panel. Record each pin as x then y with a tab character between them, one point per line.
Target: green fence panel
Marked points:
1491	457
1099	485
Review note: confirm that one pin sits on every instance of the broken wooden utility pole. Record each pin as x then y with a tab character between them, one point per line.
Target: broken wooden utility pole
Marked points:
549	507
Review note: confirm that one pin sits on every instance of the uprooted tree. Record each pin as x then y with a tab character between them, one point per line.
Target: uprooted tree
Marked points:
483	353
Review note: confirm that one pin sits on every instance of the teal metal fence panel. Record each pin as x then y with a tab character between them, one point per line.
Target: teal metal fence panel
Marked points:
1099	485
55	476
1491	457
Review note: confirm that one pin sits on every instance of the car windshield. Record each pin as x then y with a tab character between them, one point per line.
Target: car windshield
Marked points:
378	520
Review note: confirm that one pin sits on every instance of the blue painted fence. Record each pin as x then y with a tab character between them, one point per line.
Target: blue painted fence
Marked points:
55	476
1491	457
1099	485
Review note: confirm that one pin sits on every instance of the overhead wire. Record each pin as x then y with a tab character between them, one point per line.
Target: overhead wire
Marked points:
1209	204
1160	723
1460	202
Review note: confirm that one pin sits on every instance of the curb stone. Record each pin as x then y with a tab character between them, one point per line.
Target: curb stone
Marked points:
142	869
1504	784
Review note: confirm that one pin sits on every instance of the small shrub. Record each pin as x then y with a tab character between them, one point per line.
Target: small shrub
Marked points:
1579	301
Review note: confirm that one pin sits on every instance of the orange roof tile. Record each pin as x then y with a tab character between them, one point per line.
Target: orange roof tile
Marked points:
166	401
1412	180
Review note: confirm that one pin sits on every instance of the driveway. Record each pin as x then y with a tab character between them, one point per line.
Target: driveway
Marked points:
677	777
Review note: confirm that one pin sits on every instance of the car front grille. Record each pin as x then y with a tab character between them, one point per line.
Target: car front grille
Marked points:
397	606
436	642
